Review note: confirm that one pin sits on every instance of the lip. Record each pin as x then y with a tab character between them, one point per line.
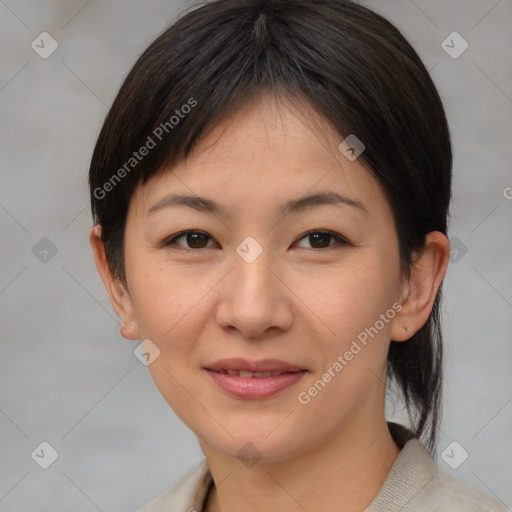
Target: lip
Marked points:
255	387
263	365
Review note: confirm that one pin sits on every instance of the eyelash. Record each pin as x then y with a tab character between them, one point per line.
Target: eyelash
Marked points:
171	241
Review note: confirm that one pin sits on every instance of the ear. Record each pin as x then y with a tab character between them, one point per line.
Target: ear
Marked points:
419	291
119	295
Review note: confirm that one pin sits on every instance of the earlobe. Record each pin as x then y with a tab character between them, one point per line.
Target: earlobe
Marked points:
420	290
118	294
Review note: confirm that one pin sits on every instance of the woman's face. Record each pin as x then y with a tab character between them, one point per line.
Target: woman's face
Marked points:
258	280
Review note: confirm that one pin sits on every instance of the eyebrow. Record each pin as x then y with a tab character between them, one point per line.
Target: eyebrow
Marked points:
205	205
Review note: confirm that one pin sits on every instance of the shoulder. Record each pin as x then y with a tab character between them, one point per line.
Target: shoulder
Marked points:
185	494
446	493
416	483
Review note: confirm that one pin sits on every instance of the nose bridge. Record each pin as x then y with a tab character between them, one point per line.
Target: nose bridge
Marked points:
252	274
253	299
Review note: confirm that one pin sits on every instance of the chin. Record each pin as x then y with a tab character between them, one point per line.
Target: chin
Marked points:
258	443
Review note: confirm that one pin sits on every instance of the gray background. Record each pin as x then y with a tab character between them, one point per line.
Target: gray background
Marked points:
70	379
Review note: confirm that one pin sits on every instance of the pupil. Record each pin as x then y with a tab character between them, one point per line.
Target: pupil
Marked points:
195	238
317	236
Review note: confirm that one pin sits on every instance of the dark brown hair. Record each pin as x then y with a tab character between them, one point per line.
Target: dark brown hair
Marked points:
350	65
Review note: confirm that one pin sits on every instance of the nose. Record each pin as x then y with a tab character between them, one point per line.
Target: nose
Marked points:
254	298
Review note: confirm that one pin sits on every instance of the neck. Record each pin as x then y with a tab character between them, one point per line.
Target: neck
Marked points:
344	472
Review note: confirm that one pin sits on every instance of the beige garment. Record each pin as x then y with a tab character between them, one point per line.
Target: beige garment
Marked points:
414	484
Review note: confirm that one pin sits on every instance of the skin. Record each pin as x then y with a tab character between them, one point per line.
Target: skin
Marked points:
303	300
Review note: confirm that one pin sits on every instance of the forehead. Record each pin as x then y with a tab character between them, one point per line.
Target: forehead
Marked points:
262	156
286	132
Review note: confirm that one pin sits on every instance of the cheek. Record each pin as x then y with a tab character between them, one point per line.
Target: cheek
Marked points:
171	311
356	307
352	299
168	306
164	295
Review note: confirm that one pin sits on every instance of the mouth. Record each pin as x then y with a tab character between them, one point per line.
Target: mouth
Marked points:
254	379
246	374
263	366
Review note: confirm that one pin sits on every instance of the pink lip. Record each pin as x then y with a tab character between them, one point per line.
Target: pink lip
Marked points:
254	387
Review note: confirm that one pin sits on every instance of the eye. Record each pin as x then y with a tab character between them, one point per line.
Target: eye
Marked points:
195	239
322	238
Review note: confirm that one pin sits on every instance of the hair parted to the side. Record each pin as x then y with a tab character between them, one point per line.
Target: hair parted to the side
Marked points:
350	65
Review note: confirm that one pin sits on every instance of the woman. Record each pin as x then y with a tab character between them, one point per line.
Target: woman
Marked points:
270	192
